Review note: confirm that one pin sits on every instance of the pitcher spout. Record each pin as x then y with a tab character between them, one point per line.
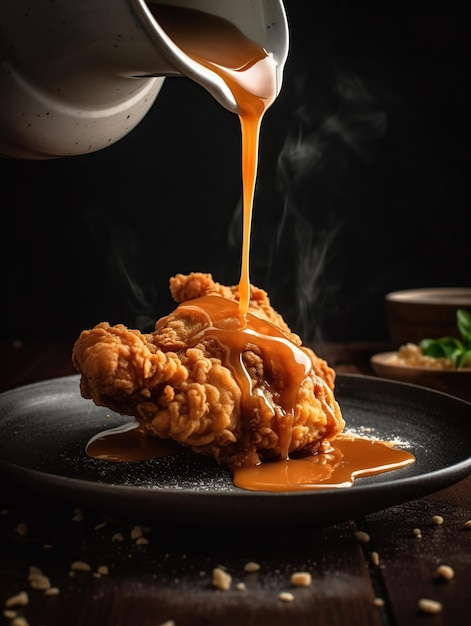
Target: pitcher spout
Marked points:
263	22
76	76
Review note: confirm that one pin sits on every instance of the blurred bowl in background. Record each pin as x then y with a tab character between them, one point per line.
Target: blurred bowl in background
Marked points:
454	382
416	314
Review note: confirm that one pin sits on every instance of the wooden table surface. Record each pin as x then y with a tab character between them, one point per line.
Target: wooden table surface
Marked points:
95	570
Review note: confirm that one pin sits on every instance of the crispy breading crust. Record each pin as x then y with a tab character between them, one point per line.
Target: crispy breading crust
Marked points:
186	393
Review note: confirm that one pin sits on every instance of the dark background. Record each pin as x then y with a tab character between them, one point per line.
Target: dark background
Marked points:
363	188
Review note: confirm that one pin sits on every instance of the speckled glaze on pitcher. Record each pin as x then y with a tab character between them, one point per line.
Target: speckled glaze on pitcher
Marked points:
78	75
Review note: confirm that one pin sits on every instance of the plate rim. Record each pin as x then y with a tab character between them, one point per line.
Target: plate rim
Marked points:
429	296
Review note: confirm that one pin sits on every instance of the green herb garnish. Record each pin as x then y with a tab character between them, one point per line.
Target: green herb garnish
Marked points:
456	350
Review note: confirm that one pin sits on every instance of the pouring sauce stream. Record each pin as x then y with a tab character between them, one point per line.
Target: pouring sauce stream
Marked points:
250	73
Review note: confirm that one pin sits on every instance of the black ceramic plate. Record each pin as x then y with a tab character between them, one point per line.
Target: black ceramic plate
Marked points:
45	427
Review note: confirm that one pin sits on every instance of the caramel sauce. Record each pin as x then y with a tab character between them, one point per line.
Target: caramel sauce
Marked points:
349	457
129	442
285	364
250	73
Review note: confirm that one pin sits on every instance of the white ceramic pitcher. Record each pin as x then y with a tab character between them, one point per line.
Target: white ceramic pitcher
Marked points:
77	75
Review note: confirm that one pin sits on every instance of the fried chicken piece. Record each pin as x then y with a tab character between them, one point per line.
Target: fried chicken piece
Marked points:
177	382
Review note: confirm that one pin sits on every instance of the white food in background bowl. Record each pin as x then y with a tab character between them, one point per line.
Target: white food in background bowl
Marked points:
411	355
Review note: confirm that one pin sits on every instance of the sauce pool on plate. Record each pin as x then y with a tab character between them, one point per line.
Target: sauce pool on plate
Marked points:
348	458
